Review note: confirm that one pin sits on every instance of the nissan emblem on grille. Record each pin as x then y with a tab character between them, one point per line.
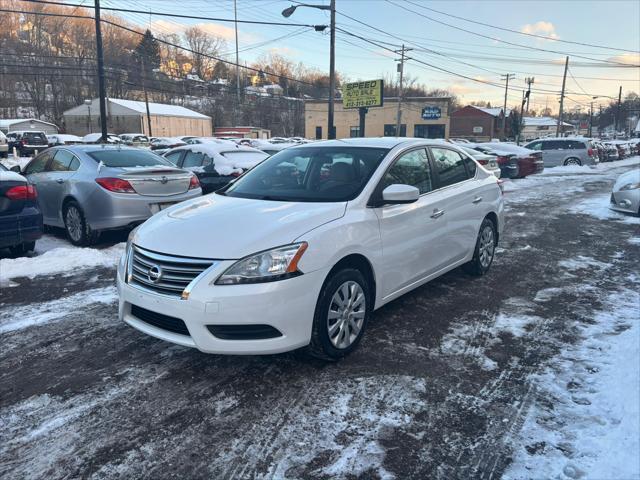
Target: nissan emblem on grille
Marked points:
154	274
164	180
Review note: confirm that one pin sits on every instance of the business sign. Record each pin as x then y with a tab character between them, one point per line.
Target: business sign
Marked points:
431	113
362	94
477	129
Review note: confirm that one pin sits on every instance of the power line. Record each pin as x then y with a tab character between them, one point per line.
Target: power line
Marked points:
520	33
176	15
504	41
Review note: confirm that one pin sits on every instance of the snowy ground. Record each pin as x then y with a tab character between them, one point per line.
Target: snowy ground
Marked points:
530	372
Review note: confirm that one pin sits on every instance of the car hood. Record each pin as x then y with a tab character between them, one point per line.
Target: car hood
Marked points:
629	177
227	228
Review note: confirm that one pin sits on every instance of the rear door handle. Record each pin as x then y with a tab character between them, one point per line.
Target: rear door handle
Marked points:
477	200
437	213
59	180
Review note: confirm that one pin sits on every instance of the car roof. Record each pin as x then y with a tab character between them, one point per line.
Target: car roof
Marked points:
373	142
97	147
213	148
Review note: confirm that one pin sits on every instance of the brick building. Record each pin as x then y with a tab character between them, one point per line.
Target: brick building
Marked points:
479	123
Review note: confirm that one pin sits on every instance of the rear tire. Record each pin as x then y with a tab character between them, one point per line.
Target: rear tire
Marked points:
484	251
343	309
22	249
78	230
572	161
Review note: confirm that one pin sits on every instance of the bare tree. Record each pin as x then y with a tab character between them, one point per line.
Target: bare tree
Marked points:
204	46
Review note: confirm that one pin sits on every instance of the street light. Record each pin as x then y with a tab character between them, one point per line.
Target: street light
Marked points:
87	102
287	12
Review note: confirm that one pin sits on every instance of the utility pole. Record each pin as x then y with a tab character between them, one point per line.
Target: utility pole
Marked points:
402	59
331	134
591	120
506	78
617	121
600	121
564	82
146	96
101	88
525	98
237	107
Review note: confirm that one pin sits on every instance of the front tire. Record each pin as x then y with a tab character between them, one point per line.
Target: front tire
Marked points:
342	312
78	230
484	251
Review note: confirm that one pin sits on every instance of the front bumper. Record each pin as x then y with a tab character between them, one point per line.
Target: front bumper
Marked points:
627	201
286	305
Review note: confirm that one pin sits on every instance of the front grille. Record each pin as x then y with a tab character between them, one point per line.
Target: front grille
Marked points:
159	320
164	274
244	332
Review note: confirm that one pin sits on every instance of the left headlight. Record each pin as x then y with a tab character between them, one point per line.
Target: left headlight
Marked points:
268	266
629	186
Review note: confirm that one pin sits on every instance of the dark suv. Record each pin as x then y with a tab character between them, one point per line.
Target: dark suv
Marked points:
28	142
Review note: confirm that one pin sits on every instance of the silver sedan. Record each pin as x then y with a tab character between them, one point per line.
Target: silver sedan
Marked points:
90	188
625	196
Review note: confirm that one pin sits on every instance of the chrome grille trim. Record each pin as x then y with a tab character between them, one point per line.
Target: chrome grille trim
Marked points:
179	274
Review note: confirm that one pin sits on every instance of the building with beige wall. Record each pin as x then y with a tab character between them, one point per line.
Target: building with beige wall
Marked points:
130	116
418	118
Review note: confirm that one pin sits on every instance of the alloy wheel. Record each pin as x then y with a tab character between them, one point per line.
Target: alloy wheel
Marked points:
486	246
346	314
74	223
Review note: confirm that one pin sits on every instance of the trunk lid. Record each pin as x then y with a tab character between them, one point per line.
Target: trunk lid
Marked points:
157	181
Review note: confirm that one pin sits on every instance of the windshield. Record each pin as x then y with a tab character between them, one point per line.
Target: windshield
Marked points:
127	158
311	174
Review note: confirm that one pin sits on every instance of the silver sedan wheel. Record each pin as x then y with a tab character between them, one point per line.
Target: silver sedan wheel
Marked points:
73	221
487	246
346	314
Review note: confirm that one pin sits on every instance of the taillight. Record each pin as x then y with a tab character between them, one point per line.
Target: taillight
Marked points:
22	192
236	173
590	152
23	142
502	159
117	185
194	182
483	162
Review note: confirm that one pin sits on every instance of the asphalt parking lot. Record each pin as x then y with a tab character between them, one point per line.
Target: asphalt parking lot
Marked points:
502	376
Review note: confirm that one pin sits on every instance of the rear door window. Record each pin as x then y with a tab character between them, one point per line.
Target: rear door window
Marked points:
35	137
576	145
534	146
449	165
61	161
471	166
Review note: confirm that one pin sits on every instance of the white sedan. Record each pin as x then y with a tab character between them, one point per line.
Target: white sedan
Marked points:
301	249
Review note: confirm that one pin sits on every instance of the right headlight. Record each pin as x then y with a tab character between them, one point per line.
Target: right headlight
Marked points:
268	266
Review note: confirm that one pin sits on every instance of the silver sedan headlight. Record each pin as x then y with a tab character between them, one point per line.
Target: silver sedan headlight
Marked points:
268	266
629	186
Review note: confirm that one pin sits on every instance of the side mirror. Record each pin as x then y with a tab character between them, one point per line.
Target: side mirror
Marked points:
397	193
16	168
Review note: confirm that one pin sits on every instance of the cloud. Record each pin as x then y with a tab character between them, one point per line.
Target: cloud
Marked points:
628	58
546	29
222	31
284	51
462	89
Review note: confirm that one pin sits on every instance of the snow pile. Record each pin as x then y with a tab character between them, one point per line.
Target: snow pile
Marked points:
18	318
582	262
598	206
590	427
60	260
590	169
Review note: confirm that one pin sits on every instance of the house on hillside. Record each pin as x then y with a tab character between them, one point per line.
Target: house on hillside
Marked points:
480	123
130	116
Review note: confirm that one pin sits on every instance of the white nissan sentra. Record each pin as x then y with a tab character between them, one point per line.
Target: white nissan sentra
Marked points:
302	249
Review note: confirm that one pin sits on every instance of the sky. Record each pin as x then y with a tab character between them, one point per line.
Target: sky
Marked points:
438	47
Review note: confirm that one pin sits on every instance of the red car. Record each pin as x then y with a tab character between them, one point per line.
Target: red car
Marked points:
514	161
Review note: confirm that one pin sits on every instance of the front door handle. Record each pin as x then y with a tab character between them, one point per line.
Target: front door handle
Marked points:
437	213
59	180
477	200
